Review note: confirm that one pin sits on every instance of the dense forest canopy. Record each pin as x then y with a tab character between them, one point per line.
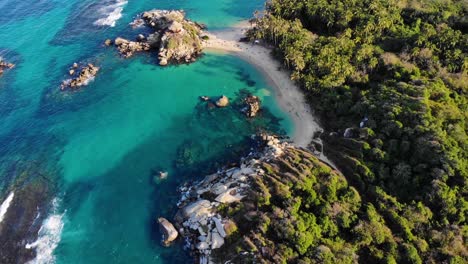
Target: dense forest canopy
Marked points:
394	75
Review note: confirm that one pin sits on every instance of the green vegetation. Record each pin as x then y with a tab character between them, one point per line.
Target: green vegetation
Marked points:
301	211
403	65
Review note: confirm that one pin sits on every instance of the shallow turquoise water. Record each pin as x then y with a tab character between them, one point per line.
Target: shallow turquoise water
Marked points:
103	141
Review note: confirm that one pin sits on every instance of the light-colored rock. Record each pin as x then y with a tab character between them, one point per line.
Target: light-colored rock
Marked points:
223	101
202	246
219	226
218	188
175	27
197	209
168	230
200	230
229	196
217	241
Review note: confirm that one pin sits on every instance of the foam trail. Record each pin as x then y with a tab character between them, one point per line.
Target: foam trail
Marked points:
6	204
48	237
111	13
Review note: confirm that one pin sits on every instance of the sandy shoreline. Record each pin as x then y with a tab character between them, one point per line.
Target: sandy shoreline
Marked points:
290	98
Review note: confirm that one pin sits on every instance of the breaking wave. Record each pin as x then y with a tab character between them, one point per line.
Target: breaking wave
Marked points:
5	205
111	13
48	237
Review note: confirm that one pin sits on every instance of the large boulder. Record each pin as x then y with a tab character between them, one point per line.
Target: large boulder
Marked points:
168	230
252	106
229	196
223	101
196	209
216	240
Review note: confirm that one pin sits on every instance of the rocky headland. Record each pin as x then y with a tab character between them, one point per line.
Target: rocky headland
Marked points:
222	217
173	37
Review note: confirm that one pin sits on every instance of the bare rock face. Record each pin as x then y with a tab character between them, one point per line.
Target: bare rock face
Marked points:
5	66
252	106
81	77
200	217
127	48
168	230
176	39
223	101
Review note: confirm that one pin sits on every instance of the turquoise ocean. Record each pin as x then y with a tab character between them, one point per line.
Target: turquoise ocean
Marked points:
78	165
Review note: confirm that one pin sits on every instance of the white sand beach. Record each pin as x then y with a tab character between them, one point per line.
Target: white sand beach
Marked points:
289	96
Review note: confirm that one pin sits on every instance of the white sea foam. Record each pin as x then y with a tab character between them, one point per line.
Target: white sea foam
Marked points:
48	237
111	13
5	205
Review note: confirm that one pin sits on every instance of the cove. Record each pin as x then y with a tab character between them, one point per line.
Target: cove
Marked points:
81	162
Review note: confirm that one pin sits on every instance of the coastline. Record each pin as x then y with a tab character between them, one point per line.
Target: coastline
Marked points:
289	97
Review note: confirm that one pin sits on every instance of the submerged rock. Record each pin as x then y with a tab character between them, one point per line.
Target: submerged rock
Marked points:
168	230
108	42
5	66
223	101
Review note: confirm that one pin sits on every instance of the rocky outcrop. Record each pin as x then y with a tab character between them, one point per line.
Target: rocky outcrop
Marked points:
252	106
127	48
168	231
199	216
223	101
5	66
80	77
176	39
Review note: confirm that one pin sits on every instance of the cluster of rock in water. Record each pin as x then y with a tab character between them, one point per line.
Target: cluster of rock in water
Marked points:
175	38
198	219
4	65
251	104
80	75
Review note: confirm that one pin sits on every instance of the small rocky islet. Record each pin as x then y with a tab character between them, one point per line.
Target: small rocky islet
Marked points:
80	75
175	38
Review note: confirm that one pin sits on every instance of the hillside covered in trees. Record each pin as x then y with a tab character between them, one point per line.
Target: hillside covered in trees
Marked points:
393	75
